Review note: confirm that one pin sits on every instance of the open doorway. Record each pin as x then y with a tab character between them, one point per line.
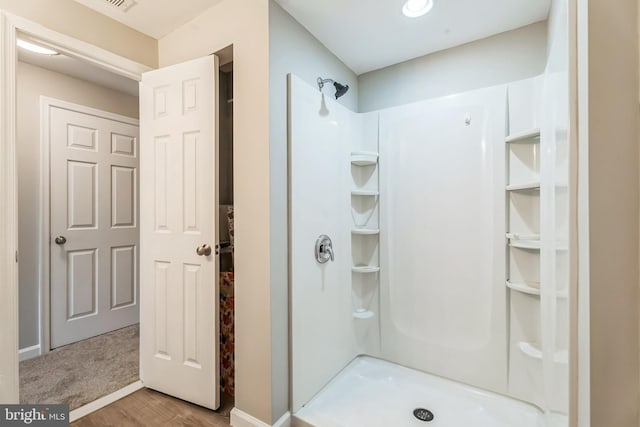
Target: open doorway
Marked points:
77	157
226	227
85	303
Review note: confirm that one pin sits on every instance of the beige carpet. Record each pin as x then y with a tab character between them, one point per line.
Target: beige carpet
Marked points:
81	372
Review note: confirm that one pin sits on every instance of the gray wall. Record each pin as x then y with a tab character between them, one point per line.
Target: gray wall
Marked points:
506	57
32	82
292	49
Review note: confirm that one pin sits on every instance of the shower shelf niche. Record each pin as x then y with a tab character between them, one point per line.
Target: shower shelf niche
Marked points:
528	136
365	269
518	236
533	245
524	186
534	352
365	231
530	288
370	193
363	314
364	158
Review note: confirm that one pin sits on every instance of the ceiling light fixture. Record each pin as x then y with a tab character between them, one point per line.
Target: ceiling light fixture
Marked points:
32	47
417	8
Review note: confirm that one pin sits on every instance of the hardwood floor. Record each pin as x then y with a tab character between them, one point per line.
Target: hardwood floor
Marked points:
148	408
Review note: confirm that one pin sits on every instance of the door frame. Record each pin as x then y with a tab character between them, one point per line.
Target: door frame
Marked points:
10	26
44	219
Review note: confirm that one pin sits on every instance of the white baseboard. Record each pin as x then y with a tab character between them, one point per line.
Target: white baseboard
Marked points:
29	352
242	419
104	401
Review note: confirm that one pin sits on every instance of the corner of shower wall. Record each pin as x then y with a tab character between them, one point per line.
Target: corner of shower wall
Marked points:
365	231
537	256
334	309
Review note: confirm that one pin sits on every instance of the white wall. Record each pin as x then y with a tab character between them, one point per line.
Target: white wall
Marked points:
245	25
442	279
32	82
323	334
292	49
503	58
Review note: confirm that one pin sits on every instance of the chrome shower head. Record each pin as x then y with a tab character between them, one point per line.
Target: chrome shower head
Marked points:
340	88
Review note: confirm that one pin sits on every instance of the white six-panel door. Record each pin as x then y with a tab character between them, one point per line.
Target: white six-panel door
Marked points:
179	287
94	222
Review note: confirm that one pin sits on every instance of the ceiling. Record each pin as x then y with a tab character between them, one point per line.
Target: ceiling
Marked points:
155	18
365	34
81	70
371	34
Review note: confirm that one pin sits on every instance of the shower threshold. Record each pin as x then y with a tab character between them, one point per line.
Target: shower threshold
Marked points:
373	393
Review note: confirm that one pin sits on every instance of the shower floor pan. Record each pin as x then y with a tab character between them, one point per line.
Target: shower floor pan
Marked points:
373	393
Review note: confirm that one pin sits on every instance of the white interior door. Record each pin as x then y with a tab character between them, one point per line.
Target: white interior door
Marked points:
94	222
179	287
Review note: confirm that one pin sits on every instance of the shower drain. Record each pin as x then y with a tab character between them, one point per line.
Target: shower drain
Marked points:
423	414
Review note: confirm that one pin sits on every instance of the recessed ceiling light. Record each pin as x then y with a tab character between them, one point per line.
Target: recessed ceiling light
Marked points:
32	47
416	8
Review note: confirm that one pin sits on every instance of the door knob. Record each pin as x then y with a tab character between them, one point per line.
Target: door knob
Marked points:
204	250
60	240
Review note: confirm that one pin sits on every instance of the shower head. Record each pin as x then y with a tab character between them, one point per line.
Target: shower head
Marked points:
340	88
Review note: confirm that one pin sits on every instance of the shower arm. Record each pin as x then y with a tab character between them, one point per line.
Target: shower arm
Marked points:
321	82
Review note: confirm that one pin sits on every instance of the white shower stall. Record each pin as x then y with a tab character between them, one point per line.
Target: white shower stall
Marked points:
446	295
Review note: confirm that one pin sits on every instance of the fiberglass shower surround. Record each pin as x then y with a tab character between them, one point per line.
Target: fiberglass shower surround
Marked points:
447	219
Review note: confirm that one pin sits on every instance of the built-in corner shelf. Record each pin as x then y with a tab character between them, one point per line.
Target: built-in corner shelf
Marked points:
365	269
531	288
531	242
362	314
364	158
528	136
533	245
518	236
535	353
370	193
365	231
524	186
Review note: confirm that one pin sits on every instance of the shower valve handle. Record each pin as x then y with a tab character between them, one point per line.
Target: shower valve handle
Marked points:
324	249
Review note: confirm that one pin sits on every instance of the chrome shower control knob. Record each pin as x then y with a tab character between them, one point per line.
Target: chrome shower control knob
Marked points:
324	249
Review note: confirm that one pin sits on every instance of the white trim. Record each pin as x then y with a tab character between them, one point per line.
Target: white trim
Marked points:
53	102
44	225
9	26
29	352
242	419
9	381
46	103
583	302
104	401
87	52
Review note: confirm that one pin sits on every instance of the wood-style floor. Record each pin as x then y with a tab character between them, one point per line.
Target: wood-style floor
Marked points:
148	408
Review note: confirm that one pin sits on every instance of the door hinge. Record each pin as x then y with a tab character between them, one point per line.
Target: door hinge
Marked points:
16	256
